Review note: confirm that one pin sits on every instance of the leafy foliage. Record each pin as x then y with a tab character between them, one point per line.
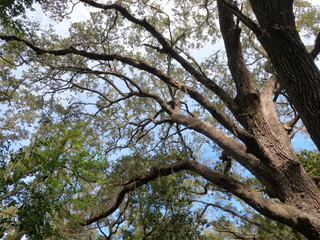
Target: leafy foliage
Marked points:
10	9
311	162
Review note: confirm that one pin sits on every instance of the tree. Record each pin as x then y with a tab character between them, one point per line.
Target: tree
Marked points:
130	75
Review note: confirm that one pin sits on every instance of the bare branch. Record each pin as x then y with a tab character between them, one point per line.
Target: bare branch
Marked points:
243	18
228	210
224	229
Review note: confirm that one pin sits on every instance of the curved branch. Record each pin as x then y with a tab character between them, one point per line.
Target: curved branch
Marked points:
283	213
224	141
286	214
138	182
169	50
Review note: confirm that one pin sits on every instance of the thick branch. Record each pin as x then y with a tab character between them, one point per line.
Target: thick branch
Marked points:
227	143
280	212
286	214
138	182
270	114
237	66
295	67
243	18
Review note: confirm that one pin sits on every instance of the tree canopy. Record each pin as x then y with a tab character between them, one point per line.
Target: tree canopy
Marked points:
11	9
160	120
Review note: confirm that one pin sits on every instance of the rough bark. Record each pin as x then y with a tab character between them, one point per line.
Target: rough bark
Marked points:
295	67
293	64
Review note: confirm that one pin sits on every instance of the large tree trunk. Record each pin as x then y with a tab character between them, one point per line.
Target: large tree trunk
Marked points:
295	67
282	173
